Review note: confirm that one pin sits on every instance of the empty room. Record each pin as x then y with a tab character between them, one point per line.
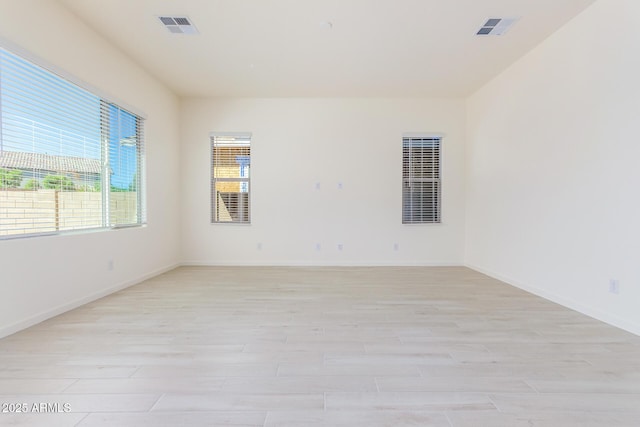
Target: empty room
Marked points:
319	213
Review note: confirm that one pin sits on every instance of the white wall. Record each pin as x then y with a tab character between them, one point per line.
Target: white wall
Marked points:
300	142
553	179
41	277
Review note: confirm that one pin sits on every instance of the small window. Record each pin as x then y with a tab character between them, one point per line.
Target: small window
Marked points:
421	185
231	163
69	159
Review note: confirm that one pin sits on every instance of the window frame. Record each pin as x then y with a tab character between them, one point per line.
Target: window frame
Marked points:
214	203
422	213
106	221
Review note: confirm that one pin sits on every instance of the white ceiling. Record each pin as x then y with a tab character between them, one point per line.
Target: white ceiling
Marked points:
279	48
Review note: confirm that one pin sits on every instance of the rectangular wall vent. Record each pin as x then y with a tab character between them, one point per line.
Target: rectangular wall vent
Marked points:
496	26
178	24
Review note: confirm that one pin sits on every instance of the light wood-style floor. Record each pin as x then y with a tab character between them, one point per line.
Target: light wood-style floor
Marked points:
202	346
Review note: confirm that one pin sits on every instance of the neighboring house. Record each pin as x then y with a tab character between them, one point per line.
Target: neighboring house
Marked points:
82	171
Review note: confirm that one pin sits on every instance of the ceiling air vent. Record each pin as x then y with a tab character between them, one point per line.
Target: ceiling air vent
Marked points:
496	26
178	24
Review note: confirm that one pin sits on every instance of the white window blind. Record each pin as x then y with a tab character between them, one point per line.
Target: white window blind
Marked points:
421	185
230	181
69	160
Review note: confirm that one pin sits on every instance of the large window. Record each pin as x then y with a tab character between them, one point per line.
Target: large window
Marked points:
421	179
69	159
231	162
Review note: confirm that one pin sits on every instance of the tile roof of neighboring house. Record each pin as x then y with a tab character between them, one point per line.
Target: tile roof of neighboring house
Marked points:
18	160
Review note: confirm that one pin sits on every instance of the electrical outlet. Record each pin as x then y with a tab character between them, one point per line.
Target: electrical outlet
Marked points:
614	286
110	265
340	246
396	246
318	247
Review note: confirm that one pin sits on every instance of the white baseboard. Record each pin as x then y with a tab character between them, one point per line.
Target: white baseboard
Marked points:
318	264
48	314
595	313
